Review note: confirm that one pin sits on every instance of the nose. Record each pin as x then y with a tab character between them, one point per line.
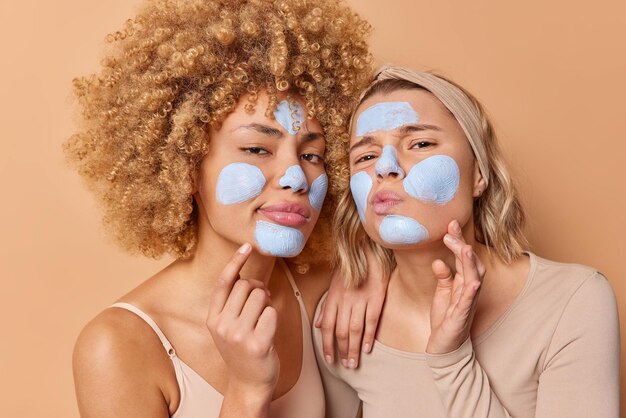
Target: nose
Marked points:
387	164
294	179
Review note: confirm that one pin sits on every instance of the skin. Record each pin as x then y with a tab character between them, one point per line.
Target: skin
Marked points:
432	303
214	307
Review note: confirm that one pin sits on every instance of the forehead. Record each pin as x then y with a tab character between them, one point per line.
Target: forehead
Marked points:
244	113
388	105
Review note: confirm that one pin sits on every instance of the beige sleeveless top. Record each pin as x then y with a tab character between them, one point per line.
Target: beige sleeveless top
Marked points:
199	399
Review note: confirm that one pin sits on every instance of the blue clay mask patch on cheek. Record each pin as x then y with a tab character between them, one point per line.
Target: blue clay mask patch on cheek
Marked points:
238	182
317	194
435	179
360	185
278	240
290	116
294	178
401	230
388	162
385	116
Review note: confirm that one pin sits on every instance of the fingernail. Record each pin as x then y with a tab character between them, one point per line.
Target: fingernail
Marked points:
329	359
450	239
352	363
244	248
456	227
470	255
344	362
367	347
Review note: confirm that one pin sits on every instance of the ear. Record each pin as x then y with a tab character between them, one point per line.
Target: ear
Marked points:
479	182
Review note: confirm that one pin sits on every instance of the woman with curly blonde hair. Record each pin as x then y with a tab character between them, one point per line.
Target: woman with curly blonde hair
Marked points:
432	197
212	133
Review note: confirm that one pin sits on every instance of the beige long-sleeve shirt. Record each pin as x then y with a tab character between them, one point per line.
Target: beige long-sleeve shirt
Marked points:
554	353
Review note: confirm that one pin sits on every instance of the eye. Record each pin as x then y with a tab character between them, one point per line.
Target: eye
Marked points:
312	158
421	144
255	150
364	158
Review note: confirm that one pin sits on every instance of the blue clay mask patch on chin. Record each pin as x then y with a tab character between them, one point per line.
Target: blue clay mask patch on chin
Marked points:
278	240
294	178
401	230
360	185
290	116
238	182
435	179
317	194
388	162
385	116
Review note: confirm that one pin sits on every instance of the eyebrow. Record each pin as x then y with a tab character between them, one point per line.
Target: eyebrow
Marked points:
262	129
276	133
403	131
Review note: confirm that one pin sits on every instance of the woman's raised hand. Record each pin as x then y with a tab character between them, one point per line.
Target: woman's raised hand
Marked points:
454	302
243	323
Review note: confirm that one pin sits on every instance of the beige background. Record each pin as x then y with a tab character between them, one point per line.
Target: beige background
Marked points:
550	73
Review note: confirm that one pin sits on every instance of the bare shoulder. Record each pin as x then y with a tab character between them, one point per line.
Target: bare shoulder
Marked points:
121	368
313	284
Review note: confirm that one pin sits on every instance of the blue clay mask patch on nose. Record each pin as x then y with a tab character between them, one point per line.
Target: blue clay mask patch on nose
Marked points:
238	182
435	179
401	230
317	194
278	240
290	116
294	178
388	162
385	116
360	185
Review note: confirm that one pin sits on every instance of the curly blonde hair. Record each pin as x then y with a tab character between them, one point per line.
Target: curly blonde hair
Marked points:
179	67
499	216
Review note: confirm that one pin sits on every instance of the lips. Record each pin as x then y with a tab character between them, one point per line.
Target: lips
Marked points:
286	213
384	201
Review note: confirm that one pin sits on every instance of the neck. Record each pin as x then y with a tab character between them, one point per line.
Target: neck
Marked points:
414	278
211	255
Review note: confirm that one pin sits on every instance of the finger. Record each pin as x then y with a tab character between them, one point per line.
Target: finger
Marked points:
372	316
238	297
357	323
254	306
454	229
472	282
266	326
328	331
456	246
442	273
443	291
342	332
320	318
460	280
225	281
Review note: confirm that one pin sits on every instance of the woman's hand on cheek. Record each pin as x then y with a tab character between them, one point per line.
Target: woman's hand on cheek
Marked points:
243	324
352	314
454	302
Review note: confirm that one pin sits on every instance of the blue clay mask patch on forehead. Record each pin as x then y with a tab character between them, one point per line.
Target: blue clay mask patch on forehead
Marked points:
290	116
238	182
317	194
294	178
401	230
278	240
388	162
385	116
435	179
360	185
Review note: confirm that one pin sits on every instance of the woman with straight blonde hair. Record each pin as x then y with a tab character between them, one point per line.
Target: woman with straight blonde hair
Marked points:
473	325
